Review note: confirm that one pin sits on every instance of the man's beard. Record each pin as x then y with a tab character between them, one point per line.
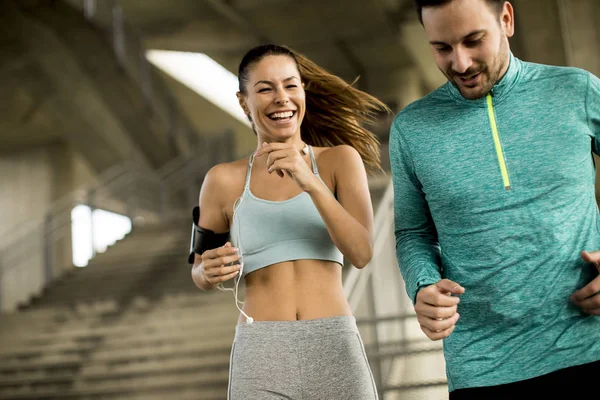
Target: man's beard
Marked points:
488	77
484	86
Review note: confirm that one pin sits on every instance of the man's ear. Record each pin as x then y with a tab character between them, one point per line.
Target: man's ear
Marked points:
507	18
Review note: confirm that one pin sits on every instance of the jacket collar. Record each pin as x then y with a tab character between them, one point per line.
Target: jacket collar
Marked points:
501	88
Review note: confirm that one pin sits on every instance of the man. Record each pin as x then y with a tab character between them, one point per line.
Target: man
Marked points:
494	192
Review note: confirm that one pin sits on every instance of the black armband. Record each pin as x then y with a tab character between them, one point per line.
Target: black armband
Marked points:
204	239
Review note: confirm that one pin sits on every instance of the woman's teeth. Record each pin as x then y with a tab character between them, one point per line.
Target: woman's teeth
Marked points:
282	115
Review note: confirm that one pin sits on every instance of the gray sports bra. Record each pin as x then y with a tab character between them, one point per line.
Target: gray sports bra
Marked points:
269	232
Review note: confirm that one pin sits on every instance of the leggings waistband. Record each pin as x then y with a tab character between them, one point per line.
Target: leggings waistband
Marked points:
320	326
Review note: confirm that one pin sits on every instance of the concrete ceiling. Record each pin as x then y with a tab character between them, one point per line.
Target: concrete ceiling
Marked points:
25	120
374	39
60	82
349	38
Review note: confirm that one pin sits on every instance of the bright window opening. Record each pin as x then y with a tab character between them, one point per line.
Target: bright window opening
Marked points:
93	232
203	75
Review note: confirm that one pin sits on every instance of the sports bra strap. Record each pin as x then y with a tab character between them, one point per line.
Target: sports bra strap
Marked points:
249	172
312	159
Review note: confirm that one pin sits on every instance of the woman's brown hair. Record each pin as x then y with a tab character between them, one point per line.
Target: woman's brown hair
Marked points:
335	109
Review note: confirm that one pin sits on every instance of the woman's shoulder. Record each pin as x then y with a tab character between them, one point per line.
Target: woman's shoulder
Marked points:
227	169
336	155
227	176
338	163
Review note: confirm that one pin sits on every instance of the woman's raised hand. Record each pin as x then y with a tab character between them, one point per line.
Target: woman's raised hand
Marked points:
284	158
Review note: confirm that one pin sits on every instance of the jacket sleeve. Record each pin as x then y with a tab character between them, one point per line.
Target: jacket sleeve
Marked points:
592	107
417	247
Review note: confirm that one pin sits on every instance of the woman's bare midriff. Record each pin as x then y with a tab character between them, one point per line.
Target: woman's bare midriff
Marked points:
295	290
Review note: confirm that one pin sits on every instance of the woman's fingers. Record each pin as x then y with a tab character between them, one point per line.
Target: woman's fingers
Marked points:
218	275
220	261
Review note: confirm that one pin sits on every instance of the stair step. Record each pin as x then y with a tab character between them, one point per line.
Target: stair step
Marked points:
29	352
213	361
36	379
165	352
205	380
44	363
126	330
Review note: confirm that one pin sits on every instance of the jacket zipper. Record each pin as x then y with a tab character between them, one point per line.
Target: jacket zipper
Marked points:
497	144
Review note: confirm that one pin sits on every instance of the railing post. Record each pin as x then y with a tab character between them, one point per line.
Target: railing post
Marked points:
48	250
89	9
91	195
131	197
172	130
145	77
1	280
118	34
163	200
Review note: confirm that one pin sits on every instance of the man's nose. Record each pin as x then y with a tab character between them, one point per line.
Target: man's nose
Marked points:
461	61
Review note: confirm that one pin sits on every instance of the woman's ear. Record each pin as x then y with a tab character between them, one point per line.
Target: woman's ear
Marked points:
242	101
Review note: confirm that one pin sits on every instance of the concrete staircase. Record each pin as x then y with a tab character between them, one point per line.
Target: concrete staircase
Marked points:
131	325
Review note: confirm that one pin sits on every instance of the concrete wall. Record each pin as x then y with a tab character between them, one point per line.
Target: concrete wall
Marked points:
30	181
25	186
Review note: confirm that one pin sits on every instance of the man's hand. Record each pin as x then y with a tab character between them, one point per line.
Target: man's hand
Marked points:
588	297
436	308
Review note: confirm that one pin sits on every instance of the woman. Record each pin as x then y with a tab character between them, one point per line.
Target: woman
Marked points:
295	208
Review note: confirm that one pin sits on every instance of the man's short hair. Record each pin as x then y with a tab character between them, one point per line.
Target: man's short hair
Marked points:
420	4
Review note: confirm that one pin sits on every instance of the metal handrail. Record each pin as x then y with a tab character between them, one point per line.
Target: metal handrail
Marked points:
120	188
389	315
356	282
355	277
128	189
179	170
16	231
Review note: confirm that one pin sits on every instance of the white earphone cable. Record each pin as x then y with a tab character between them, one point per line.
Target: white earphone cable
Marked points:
238	278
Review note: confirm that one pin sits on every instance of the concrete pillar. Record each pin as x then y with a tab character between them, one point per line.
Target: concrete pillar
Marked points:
537	29
414	40
398	88
581	34
408	86
32	181
581	38
62	173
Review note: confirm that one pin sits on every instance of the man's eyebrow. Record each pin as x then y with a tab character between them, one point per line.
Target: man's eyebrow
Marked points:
474	33
471	34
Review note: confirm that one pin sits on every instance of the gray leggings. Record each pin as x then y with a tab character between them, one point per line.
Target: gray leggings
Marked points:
300	360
